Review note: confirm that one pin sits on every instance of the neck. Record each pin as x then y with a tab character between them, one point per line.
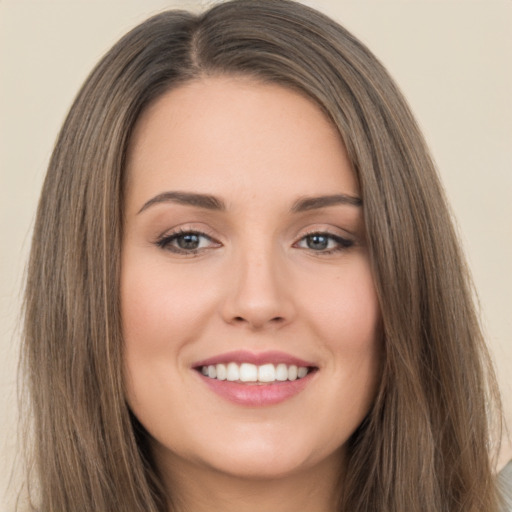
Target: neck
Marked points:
194	488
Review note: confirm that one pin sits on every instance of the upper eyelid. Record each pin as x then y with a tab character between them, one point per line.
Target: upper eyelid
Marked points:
166	242
332	231
213	235
342	245
178	233
327	234
189	228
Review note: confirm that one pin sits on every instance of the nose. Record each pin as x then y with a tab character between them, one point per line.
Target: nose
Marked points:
259	295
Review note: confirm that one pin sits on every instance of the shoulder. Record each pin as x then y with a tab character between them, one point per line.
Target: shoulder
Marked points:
505	484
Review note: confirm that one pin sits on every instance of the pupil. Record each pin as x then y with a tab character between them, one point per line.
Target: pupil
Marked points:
318	242
189	241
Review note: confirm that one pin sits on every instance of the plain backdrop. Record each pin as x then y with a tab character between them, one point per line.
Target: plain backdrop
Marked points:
452	59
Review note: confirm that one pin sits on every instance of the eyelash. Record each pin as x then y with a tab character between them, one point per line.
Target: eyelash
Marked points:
342	244
165	242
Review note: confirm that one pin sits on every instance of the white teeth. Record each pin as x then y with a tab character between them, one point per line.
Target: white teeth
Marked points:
292	372
232	372
267	373
222	372
281	372
247	372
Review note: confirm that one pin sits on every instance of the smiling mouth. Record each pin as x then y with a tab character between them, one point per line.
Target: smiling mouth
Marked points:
253	379
248	373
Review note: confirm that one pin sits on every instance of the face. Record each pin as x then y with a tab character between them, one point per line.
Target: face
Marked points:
250	318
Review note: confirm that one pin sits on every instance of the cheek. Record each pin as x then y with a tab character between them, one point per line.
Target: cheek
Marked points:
344	307
162	312
345	315
160	308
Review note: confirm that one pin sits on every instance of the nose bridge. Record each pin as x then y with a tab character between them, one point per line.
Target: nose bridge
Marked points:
258	296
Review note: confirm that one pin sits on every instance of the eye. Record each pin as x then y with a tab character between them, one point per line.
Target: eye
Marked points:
325	243
186	242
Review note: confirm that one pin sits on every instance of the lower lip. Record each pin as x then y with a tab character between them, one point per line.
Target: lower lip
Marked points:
257	395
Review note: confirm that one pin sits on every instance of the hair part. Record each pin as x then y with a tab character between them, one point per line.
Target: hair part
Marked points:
425	444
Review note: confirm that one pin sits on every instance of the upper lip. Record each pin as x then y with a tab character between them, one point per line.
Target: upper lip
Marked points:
256	358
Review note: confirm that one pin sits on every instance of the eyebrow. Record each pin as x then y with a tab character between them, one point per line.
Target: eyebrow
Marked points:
206	201
312	203
210	202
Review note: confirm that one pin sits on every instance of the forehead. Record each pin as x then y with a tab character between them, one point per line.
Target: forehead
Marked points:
253	136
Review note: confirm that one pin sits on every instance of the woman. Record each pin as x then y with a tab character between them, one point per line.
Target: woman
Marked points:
245	291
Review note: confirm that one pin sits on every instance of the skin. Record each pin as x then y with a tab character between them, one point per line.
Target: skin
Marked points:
257	283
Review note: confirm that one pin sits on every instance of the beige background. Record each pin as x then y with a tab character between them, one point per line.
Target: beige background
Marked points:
452	59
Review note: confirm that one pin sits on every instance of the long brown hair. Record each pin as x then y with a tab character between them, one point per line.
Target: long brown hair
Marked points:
425	445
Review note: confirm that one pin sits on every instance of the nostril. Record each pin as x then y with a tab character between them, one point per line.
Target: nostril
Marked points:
275	320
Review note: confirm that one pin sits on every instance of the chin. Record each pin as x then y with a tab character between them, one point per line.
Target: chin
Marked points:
260	467
262	459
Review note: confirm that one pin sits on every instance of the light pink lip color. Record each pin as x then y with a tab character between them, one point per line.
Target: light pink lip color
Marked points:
257	358
255	394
